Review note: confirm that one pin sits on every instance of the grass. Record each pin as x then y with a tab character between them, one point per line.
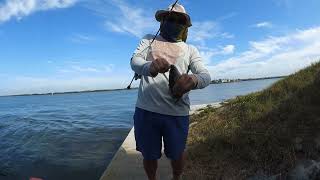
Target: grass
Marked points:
257	132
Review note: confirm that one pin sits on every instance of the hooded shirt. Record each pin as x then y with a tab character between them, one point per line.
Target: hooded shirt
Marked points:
154	93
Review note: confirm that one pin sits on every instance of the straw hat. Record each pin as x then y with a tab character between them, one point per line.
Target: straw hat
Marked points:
178	8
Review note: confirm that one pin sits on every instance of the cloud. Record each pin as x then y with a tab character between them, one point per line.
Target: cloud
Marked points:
227	35
30	85
284	3
67	76
132	20
227	16
208	53
273	56
138	21
264	24
20	8
93	69
203	31
200	32
81	38
229	49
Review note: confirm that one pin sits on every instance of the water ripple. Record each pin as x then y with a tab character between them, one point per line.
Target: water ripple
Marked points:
74	136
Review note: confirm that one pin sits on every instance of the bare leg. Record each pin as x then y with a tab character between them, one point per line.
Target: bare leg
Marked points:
150	167
177	167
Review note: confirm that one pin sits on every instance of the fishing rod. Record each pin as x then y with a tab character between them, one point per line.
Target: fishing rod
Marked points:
137	76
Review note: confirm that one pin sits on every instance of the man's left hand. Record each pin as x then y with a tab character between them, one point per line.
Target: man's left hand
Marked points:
184	84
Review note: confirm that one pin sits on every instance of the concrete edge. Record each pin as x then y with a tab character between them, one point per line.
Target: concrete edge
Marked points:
128	156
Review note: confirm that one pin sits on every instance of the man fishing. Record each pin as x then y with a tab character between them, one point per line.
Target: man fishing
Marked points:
162	111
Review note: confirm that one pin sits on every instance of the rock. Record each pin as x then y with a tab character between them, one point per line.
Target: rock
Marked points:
307	170
298	173
195	109
314	171
193	124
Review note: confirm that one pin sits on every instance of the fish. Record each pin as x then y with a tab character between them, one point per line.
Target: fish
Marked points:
174	75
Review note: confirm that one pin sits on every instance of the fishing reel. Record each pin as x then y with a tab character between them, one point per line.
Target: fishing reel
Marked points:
135	77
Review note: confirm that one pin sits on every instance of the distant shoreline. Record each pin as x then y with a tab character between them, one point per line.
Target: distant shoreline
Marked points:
71	92
220	81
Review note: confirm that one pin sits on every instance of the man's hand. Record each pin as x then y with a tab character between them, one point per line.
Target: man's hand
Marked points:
184	84
159	65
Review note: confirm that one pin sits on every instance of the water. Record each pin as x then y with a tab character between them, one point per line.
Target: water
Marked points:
74	136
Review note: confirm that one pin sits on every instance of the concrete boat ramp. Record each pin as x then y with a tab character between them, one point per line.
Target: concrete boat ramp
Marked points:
127	162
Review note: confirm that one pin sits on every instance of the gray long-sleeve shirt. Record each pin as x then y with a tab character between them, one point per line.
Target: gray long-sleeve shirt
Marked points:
154	94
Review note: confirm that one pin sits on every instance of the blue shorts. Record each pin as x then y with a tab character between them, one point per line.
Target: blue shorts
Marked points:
150	128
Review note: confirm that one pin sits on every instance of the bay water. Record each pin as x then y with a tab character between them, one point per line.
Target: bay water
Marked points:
74	136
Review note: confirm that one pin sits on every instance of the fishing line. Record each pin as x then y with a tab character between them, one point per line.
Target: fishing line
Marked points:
136	76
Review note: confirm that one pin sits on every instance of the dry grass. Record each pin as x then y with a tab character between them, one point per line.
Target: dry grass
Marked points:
257	131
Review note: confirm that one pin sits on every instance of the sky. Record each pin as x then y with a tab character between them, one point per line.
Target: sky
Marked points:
68	45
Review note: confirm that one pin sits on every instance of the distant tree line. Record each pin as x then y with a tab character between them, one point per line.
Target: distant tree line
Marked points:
219	81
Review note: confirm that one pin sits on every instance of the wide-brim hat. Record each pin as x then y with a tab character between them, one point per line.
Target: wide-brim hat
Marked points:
178	8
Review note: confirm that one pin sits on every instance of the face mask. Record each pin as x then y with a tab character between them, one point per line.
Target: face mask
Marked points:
173	32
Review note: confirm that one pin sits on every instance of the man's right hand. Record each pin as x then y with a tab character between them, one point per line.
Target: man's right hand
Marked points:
159	65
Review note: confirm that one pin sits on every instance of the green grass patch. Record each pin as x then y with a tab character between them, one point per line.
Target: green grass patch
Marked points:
257	131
